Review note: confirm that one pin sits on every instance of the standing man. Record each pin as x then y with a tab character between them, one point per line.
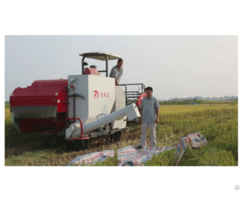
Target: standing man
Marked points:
117	71
149	110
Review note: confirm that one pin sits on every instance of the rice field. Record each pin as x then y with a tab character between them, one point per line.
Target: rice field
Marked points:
217	122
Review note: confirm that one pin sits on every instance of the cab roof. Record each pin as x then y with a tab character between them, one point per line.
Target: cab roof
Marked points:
98	55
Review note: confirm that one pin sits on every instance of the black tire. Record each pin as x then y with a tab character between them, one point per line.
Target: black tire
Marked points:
49	142
80	145
117	136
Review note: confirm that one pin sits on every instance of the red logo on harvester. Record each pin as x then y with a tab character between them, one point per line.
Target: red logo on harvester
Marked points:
101	94
96	94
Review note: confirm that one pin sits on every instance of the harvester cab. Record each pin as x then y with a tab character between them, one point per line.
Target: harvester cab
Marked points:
82	108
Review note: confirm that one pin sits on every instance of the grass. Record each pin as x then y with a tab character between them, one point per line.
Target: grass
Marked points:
217	122
196	101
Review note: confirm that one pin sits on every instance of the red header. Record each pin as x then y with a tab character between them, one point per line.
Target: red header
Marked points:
42	93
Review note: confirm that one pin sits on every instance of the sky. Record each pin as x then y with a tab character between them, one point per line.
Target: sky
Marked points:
173	65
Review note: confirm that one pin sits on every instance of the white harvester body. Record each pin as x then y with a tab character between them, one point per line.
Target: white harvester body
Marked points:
98	103
97	96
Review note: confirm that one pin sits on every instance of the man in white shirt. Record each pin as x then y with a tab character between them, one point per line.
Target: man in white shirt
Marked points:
149	110
117	71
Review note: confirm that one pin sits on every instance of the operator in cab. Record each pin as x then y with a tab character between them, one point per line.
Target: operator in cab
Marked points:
117	71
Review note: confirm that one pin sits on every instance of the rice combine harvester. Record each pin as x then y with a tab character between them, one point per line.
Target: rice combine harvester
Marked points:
80	108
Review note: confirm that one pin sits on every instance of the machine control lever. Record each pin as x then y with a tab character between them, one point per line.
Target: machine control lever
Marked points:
76	95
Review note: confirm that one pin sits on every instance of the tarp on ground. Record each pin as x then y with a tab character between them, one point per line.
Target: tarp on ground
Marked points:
129	156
